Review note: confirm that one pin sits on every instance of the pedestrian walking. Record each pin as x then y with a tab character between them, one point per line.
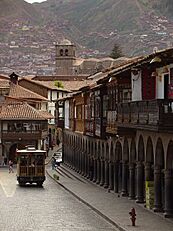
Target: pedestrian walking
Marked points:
5	161
10	163
53	163
58	142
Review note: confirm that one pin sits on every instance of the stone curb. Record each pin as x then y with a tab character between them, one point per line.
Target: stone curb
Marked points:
89	205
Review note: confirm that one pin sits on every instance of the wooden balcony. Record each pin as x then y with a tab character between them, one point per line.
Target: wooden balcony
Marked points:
154	115
23	135
111	125
89	127
79	125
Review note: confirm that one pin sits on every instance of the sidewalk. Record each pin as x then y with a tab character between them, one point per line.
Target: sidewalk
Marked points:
113	208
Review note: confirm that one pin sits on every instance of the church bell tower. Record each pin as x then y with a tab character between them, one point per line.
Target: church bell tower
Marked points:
65	57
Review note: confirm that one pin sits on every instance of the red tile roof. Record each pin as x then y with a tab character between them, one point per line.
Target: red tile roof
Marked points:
46	115
17	91
68	85
4	84
15	110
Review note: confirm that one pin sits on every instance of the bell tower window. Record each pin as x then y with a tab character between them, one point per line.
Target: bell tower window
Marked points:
66	52
61	52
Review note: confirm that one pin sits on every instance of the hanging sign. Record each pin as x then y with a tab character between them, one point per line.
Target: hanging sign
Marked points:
149	190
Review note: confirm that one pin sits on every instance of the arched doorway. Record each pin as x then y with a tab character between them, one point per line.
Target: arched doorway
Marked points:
91	162
95	160
106	166
169	181
118	168
125	172
159	177
149	174
111	167
132	167
102	180
140	181
98	162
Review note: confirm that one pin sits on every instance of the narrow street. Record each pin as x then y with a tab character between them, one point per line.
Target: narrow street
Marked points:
43	209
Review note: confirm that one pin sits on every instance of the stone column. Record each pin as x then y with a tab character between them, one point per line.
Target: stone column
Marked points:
158	189
119	177
106	174
94	170
79	166
91	168
74	158
140	182
124	191
78	160
98	171
116	168
102	172
168	193
132	181
81	162
88	166
85	164
111	180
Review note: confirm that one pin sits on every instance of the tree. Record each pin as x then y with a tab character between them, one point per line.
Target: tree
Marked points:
58	84
116	52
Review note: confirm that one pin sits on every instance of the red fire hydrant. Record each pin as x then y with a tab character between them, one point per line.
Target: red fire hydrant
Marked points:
132	216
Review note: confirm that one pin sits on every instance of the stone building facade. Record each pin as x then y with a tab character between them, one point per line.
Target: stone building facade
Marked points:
133	157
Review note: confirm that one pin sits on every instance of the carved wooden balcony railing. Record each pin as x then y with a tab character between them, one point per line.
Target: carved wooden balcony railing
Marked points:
111	125
79	125
89	127
26	135
155	115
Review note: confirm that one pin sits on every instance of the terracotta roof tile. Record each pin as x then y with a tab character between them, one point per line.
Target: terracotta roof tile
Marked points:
19	111
17	91
68	85
4	83
46	115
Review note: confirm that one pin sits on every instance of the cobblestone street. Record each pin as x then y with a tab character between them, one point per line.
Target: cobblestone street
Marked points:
43	209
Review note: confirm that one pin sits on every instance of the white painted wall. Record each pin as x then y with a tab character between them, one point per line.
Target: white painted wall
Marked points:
44	106
5	126
51	105
54	95
159	84
136	86
66	114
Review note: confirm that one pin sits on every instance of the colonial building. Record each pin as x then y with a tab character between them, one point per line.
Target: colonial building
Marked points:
132	154
21	125
23	116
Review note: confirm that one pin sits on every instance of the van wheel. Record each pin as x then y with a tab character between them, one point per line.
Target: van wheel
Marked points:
39	184
21	183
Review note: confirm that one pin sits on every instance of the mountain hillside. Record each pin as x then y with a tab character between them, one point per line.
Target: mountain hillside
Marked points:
98	24
28	31
18	9
165	7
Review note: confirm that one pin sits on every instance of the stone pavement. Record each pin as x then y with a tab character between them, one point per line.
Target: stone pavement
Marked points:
109	205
